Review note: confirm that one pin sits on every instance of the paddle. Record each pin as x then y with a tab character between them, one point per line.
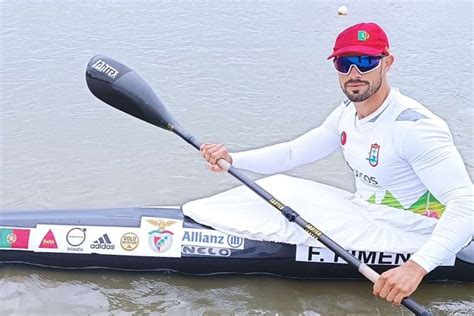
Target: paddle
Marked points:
122	88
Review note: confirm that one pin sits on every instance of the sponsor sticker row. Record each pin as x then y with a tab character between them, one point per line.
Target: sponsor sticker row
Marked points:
158	237
162	237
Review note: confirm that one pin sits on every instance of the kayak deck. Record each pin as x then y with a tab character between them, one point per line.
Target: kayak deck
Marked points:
163	239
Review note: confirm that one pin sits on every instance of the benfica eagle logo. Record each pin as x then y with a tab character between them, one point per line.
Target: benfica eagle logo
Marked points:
161	239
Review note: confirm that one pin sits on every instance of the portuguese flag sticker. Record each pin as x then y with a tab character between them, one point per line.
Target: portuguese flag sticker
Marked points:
14	238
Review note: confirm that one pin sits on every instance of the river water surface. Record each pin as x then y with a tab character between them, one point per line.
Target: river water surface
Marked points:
243	73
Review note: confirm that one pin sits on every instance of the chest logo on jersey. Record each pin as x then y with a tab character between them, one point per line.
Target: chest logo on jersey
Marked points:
374	155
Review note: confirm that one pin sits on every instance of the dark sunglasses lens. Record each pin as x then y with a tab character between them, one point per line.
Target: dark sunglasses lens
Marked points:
363	63
343	64
367	63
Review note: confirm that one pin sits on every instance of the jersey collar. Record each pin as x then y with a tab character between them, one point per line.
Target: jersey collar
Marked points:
372	118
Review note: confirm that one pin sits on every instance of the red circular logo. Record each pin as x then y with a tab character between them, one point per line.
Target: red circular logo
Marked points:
343	138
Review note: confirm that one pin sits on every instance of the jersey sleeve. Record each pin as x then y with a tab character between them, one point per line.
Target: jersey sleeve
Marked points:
311	146
429	148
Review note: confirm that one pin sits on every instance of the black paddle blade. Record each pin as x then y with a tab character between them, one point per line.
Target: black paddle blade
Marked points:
121	87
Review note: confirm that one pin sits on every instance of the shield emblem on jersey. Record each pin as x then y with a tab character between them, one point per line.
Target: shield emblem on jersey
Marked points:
374	155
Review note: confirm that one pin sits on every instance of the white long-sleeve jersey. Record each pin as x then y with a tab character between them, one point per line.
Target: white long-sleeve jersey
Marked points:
402	155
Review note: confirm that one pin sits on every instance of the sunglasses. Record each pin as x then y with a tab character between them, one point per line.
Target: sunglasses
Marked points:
363	64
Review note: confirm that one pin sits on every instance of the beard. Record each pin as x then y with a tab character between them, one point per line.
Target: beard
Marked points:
362	95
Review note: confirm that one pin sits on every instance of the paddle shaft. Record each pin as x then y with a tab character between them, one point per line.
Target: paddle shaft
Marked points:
293	216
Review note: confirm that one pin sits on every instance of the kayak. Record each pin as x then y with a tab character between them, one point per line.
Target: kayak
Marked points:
164	239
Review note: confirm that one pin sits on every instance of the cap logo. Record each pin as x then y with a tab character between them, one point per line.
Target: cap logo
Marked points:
362	35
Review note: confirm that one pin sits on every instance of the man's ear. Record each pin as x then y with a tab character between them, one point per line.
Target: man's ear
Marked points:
387	62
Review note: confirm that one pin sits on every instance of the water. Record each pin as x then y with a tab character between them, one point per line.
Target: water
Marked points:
243	73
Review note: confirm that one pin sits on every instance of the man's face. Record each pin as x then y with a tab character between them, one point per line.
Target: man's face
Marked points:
359	87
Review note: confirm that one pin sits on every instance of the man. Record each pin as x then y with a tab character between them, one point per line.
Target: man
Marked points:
401	154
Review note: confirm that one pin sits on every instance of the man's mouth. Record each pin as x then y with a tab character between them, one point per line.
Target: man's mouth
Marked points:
355	85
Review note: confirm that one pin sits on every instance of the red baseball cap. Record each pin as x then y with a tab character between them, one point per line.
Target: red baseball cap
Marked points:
361	39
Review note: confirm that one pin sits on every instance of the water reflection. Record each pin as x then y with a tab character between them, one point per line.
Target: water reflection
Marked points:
29	290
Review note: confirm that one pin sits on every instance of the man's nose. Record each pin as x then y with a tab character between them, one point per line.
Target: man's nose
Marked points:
354	73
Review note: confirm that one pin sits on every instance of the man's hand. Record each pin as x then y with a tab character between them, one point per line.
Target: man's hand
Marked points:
212	153
398	283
